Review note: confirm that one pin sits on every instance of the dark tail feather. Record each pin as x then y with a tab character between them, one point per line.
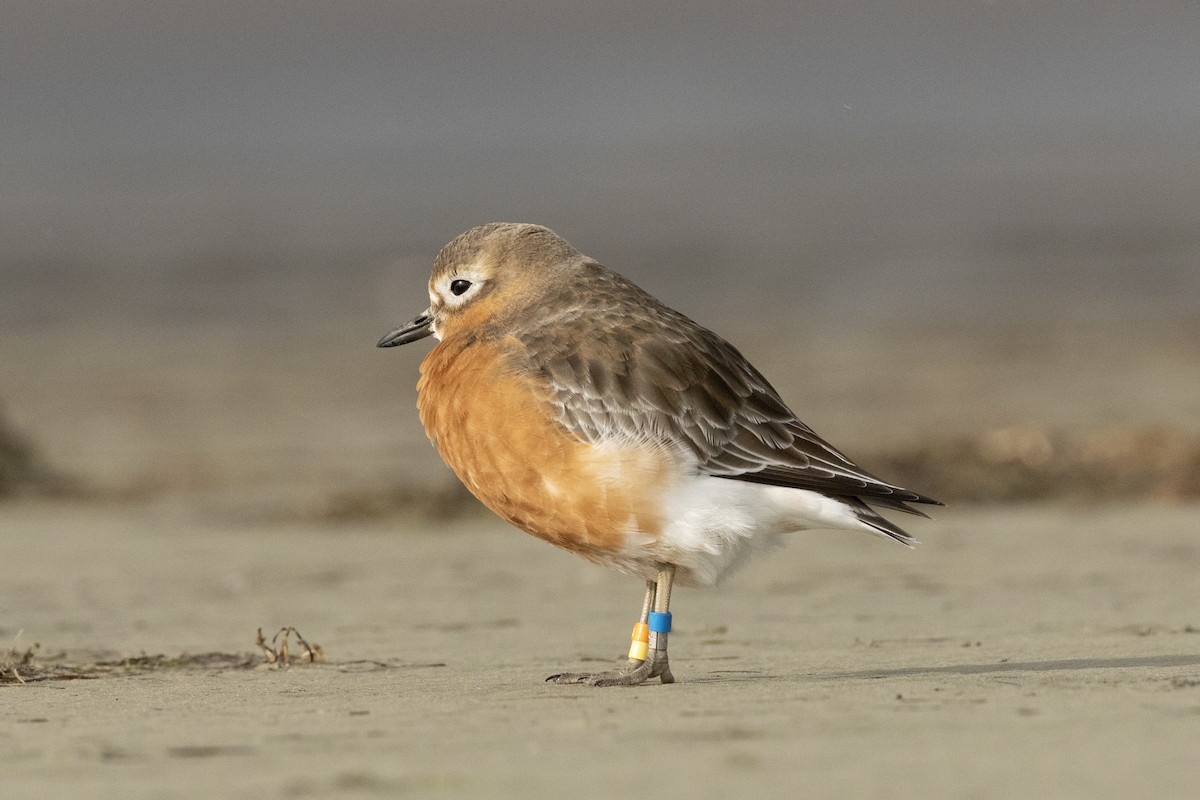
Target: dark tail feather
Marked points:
888	528
893	504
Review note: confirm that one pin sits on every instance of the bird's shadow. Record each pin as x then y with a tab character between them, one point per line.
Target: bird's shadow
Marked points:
995	667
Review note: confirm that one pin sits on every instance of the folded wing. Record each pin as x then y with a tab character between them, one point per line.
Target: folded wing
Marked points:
663	378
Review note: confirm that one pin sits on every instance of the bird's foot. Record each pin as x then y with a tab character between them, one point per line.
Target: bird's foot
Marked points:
632	674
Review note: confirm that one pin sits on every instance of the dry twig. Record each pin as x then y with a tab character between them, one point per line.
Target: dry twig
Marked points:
313	653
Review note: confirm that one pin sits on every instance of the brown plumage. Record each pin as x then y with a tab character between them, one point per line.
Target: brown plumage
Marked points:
587	413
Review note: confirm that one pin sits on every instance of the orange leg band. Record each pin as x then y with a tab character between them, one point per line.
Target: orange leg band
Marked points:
641	642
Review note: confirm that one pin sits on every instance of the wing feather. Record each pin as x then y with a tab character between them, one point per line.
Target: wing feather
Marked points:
662	377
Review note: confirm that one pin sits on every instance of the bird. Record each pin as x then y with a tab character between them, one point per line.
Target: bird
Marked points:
586	412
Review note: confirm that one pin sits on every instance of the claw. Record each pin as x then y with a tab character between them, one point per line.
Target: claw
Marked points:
634	673
568	677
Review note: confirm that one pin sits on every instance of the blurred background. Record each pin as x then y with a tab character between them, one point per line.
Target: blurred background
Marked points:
960	238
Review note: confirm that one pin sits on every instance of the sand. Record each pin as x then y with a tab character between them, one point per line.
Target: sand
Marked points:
1021	652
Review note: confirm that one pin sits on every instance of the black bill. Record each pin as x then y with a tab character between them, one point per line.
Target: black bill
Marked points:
414	329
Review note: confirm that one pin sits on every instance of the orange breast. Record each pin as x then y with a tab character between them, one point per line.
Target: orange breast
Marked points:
495	430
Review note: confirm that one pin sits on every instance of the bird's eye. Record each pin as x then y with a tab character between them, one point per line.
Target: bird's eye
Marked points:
459	287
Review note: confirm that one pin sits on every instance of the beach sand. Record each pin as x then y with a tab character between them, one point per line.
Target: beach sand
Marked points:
1022	651
1033	651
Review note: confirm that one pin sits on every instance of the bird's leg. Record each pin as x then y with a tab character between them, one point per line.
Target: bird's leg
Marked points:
648	653
660	625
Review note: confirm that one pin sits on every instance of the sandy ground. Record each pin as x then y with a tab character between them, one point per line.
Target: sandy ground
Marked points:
1025	652
1033	651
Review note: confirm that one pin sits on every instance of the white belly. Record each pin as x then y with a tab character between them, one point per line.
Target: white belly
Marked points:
713	525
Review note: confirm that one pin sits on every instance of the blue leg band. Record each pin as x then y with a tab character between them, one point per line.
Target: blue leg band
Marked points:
659	622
